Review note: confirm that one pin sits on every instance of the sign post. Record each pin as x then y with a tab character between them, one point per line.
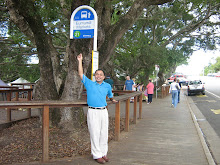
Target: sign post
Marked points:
157	68
95	63
84	24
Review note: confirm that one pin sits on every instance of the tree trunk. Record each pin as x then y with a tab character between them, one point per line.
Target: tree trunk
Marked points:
73	85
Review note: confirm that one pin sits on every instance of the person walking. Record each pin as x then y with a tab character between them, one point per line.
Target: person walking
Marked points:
174	86
97	115
178	81
150	91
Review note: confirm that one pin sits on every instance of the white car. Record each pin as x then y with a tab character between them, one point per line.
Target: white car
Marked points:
195	87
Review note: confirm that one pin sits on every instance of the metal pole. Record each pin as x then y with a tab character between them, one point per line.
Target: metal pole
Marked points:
156	83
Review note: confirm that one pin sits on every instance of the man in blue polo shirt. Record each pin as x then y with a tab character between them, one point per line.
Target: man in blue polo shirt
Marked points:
128	84
97	115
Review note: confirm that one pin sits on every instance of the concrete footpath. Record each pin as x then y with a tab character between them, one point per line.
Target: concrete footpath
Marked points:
164	136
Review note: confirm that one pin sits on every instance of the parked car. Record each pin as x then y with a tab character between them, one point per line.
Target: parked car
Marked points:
183	81
217	75
170	80
195	87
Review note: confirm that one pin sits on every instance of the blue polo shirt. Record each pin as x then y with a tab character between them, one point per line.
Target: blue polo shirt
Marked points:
128	84
96	93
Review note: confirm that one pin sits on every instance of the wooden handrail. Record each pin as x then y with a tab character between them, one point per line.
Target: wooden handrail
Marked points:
9	87
15	89
46	105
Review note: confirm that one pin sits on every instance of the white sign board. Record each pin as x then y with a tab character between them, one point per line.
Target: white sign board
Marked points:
157	67
95	63
84	24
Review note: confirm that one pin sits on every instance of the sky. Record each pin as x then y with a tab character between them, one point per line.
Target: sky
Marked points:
198	61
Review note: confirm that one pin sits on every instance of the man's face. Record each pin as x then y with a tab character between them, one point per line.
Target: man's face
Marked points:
128	77
99	76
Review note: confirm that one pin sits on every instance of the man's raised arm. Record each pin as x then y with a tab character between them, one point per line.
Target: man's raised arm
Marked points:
80	67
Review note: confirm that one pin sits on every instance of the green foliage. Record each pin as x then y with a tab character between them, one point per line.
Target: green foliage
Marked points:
216	66
31	73
147	43
165	35
213	68
15	65
18	49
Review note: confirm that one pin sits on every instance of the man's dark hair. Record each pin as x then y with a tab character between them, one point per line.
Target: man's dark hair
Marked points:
100	70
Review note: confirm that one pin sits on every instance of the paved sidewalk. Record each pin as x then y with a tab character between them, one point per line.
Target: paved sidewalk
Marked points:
165	136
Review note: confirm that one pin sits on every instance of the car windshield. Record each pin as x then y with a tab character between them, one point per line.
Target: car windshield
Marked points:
195	82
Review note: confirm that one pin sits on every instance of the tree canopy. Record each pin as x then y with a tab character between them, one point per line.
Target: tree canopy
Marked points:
213	68
133	36
167	35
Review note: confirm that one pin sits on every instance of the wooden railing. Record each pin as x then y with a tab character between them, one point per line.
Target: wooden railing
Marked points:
15	94
46	105
23	85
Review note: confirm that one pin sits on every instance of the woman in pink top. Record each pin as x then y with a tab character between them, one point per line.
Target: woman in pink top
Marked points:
150	91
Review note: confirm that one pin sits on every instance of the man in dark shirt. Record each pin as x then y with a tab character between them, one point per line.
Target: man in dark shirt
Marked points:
109	80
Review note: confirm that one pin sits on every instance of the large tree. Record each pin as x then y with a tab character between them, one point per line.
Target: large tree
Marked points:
59	79
167	35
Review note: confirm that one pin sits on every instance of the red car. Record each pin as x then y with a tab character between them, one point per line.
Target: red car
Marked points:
218	75
176	76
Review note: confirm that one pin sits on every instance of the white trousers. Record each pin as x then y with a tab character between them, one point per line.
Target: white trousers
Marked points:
97	121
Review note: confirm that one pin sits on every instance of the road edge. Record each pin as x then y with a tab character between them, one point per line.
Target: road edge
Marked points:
207	152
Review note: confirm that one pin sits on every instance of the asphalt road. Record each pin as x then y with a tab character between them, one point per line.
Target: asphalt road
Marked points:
209	104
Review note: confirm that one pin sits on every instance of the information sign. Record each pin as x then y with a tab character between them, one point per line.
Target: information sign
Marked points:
83	24
95	63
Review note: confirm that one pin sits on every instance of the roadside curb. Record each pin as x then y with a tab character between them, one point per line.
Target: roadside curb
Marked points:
207	152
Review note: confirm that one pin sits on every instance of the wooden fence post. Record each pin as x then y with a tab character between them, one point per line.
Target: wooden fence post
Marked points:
117	121
167	90
17	96
140	106
127	117
9	109
135	110
45	156
162	92
29	109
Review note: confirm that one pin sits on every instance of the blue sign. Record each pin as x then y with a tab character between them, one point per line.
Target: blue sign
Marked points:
83	24
84	14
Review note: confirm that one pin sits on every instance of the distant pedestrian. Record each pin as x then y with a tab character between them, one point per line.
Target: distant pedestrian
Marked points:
174	86
134	86
178	81
128	84
150	91
140	87
109	80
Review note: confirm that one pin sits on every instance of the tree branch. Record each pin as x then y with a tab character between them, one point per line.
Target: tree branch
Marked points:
116	31
19	21
189	28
